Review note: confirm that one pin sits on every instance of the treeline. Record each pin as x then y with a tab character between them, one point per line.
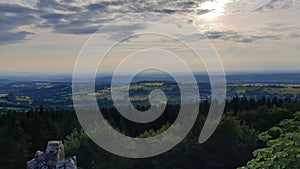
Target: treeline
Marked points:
23	133
231	146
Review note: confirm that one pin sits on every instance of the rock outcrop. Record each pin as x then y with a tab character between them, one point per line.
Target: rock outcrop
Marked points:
52	158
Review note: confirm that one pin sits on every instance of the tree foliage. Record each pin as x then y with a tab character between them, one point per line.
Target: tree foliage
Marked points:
231	146
282	149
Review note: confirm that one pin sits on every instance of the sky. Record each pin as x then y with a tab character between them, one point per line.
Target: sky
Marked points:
248	35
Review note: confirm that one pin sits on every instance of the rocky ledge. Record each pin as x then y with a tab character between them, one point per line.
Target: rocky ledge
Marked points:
52	158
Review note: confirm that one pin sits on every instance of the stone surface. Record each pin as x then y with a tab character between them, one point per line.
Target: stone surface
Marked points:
52	158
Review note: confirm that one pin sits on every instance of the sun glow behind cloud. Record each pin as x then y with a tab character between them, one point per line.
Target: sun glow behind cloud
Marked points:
216	8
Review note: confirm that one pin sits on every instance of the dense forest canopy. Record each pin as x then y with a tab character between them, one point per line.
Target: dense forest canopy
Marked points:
231	146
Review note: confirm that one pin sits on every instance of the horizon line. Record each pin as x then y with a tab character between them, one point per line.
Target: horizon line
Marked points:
24	73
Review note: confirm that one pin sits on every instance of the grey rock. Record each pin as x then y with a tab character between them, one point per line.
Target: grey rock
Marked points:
52	158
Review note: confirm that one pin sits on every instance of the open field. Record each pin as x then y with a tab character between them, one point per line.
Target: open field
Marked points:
3	95
283	90
32	95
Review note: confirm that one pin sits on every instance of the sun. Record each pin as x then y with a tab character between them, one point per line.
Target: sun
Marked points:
216	8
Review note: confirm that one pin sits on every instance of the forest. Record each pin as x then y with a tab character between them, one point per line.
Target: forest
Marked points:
263	133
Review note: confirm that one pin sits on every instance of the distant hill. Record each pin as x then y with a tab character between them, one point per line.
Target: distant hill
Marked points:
282	78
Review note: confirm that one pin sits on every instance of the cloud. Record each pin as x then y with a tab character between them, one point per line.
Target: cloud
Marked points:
12	17
62	5
239	37
279	5
103	5
12	37
85	17
84	20
294	35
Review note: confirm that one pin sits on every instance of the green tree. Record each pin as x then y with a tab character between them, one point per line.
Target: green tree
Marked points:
90	155
232	143
283	147
264	117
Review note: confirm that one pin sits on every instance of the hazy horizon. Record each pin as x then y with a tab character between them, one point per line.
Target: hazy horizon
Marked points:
128	73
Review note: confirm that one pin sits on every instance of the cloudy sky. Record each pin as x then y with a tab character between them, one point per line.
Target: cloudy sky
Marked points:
249	35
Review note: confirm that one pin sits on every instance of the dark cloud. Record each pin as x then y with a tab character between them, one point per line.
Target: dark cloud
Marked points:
294	35
54	18
10	8
79	17
12	37
12	21
239	37
76	30
92	16
11	18
100	6
64	5
216	35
